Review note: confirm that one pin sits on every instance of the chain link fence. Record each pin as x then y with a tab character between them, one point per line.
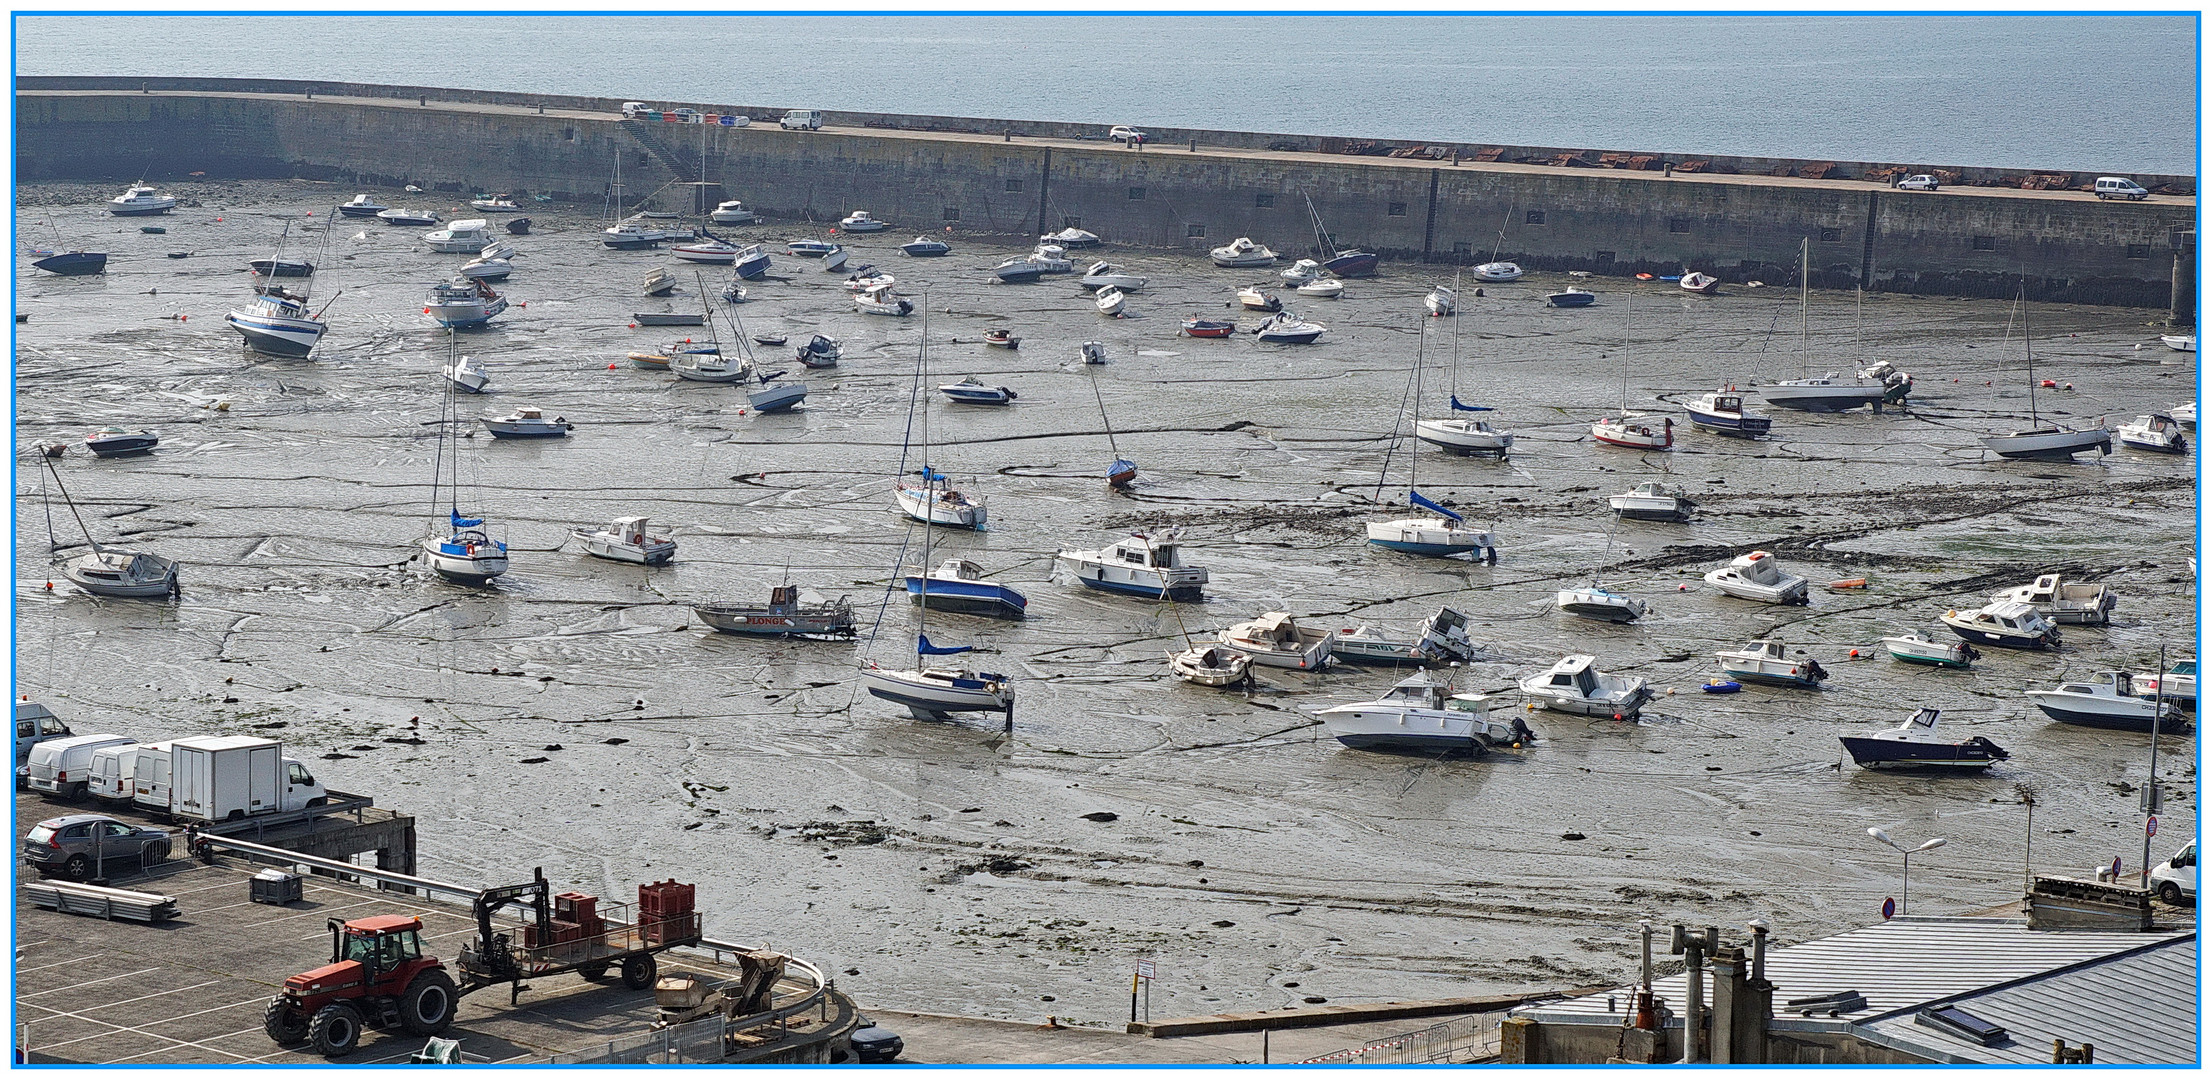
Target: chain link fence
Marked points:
1453	1041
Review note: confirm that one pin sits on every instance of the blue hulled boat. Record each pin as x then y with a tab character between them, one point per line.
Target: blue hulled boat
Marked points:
958	585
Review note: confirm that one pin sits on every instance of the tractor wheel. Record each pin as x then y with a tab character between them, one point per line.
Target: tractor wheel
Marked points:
283	1023
638	971
427	1006
593	971
335	1030
78	867
2170	892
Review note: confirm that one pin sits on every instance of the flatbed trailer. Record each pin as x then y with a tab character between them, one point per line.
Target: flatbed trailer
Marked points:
568	932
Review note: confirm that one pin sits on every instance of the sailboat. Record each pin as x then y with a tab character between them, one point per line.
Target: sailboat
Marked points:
109	571
68	263
2041	441
1457	434
277	321
465	554
935	501
1496	270
934	693
1595	601
1829	393
1635	431
1122	471
1344	264
1437	537
766	395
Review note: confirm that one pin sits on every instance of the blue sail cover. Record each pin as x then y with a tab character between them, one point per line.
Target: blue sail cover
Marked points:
1425	504
933	476
1459	406
460	522
928	649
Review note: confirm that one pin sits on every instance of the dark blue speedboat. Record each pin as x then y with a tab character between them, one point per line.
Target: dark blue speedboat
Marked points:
958	585
925	248
1722	411
1915	745
74	263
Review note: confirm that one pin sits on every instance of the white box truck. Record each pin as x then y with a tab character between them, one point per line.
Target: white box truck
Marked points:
228	777
63	767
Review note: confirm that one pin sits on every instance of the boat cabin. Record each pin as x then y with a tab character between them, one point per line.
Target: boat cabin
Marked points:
1764	650
2012	616
1142	550
2118	683
1575	673
1276	628
1420	691
959	570
1758	568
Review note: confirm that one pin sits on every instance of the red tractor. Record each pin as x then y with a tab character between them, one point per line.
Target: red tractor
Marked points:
377	975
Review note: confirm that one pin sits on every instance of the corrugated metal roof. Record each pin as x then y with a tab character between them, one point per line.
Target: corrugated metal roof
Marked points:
1903	963
2136	1009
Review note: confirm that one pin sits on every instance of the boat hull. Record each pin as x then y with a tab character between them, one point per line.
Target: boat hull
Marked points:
918	504
105	585
1929	658
768	623
1746	427
1823	399
2002	641
1353	264
1671	510
531	431
73	263
1601	607
2048	445
934	699
1454	437
967	597
1136	581
661	318
140	211
108	448
705	256
1627	708
655	554
2112	721
276	336
466	568
1973	755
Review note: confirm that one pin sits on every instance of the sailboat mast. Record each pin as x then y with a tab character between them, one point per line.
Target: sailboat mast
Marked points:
2027	342
929	487
1413	460
1804	304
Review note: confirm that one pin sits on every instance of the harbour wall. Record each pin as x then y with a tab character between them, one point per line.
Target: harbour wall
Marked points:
987	179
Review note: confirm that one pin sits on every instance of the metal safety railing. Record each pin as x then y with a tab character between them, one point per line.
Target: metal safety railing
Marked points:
1453	1041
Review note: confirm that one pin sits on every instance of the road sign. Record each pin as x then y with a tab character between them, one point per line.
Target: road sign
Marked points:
2150	825
1889	907
2115	866
1146	970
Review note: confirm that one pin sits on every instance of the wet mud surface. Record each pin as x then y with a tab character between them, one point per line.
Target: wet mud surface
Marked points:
576	716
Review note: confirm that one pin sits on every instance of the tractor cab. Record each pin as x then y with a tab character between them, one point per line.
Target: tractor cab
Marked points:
363	950
378	976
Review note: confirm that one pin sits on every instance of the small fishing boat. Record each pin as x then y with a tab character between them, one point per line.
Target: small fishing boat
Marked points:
2157	433
2180	342
2081	603
1571	297
412	218
1000	337
651	360
1242	252
1441	300
2108	700
925	247
527	422
770	396
785	614
708	252
1072	237
820	351
2177	684
632	235
1210	665
501	203
1017	271
1325	288
1652	501
1208	328
658	282
72	263
275	268
142	200
1701	284
750	262
2006	624
971	391
1499	272
277	323
859	222
1421	715
154	230
626	540
1914	647
111	442
809	249
488	266
1443	640
669	318
465	237
469	375
1722	412
1717	685
1276	640
1144	565
1301	272
518	226
1915	745
770	339
935	501
463	303
1254	298
1103	275
1759	577
1051	259
1767	663
1635	431
1091	352
1111	301
881	300
1574	685
1285	328
361	206
1595	601
957	585
126	575
732	212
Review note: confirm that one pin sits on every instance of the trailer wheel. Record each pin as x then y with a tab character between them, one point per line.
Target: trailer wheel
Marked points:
593	971
283	1023
639	970
427	1006
335	1030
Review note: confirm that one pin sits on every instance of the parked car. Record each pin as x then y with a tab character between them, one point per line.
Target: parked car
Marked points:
69	845
802	120
62	768
635	108
2175	879
685	116
1287	146
1918	182
34	724
2119	187
1123	133
873	1045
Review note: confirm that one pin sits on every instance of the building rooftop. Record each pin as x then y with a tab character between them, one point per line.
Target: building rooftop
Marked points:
2136	1008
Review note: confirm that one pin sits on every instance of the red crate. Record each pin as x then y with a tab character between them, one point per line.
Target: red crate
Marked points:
580	910
664	899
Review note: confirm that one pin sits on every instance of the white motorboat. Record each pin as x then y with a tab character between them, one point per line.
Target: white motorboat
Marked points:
2108	700
707	252
936	502
1243	252
1072	237
501	203
632	236
1443	640
361	206
626	540
1722	411
1111	301
2007	624
2180	342
834	261
488	267
406	217
1255	298
2185	415
527	422
1015	271
1758	576
1498	272
142	200
1652	501
881	300
868	277
465	237
658	282
1595	601
1103	275
1767	663
1702	284
1210	665
467	375
750	262
1303	271
1146	565
127	575
1635	431
1574	685
1463	435
2157	433
808	249
277	323
1276	640
859	222
820	351
1441	300
463	302
1914	647
2081	602
1421	715
937	693
1051	259
110	442
1915	745
958	585
732	212
1285	328
1325	288
972	391
1091	352
2178	684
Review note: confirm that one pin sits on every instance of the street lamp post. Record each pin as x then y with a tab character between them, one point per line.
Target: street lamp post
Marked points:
1905	895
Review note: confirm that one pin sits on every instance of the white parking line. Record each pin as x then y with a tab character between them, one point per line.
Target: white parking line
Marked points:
42	967
150	1023
87	982
151	1035
163	993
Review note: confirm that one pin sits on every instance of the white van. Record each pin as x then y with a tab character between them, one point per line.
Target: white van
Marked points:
63	767
114	772
806	119
34	724
2176	878
2119	187
150	788
633	108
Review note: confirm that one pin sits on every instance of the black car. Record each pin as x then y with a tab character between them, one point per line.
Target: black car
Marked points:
1286	146
68	845
876	1046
